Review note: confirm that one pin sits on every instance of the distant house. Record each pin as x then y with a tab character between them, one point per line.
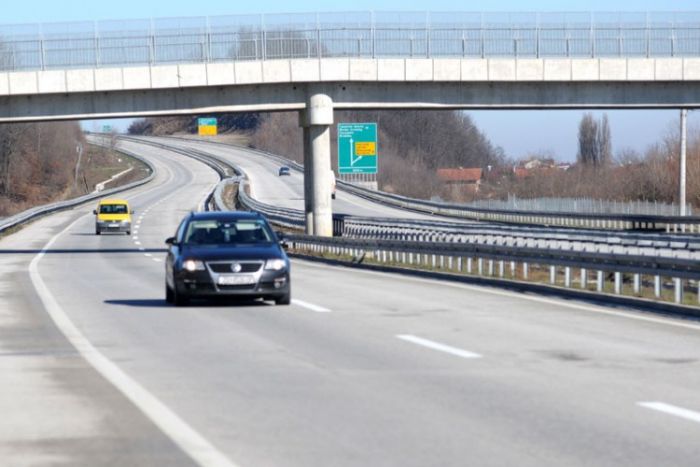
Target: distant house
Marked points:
462	180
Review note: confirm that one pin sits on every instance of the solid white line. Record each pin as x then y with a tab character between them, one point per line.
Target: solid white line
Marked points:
672	410
437	346
183	435
310	306
515	295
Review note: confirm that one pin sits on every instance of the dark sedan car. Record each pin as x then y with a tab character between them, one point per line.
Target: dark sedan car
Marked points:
284	170
226	254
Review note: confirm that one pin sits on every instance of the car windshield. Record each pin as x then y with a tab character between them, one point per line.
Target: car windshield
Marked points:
113	209
215	232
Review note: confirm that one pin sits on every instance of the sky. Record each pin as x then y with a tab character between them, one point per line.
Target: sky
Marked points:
519	133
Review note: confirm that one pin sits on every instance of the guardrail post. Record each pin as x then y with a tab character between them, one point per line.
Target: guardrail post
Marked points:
459	264
434	261
490	267
657	286
584	278
552	275
678	289
637	284
480	265
469	265
512	269
567	277
501	268
599	281
618	283
526	271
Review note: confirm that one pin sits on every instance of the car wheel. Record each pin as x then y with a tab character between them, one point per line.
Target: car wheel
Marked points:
97	232
333	196
169	295
180	299
284	299
128	232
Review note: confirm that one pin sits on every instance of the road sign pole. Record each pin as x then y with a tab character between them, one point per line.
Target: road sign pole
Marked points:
681	184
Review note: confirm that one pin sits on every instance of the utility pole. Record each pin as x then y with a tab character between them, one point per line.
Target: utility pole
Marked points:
681	184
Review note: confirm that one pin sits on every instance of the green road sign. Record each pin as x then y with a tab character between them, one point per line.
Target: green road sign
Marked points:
106	128
357	148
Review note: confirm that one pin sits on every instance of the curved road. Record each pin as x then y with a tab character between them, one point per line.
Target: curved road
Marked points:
288	191
362	369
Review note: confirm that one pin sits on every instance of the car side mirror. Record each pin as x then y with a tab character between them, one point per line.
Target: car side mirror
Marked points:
94	212
133	211
171	241
284	245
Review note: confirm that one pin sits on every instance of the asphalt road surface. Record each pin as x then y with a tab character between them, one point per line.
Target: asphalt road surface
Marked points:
362	369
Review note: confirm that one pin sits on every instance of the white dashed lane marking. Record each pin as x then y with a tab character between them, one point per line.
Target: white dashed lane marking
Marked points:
310	306
438	346
669	409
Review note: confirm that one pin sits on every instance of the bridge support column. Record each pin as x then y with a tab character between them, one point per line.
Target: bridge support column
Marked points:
316	121
308	179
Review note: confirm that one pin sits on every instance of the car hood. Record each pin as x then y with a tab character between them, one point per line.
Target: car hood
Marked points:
239	252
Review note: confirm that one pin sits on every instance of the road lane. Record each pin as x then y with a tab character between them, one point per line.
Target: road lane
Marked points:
267	385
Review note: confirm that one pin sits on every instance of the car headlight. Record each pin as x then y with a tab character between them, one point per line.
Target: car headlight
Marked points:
193	265
275	264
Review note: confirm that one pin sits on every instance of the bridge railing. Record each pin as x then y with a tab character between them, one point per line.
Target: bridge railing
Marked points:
354	34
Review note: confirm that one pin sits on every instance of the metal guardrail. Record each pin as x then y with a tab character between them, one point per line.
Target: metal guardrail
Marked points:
515	263
674	224
39	211
349	34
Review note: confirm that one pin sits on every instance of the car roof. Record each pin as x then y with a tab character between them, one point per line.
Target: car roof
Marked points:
113	201
225	215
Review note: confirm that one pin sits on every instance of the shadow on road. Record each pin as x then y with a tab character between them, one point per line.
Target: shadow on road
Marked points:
211	303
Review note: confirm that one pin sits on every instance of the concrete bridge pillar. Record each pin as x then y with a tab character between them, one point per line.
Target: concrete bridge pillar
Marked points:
316	121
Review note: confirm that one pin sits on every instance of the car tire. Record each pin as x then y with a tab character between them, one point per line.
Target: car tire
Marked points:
169	295
333	196
180	299
284	299
97	232
128	232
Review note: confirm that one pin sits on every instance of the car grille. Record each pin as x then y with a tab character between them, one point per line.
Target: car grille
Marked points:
226	267
236	287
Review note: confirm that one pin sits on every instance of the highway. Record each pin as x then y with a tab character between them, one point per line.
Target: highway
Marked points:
363	368
286	191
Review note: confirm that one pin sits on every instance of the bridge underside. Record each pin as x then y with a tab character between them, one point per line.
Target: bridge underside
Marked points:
354	95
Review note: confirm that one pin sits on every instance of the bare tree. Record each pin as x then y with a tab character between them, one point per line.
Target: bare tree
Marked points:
588	141
594	141
604	142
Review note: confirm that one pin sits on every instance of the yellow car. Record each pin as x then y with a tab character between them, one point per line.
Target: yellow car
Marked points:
113	215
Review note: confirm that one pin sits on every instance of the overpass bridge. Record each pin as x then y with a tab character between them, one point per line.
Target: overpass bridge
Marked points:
318	63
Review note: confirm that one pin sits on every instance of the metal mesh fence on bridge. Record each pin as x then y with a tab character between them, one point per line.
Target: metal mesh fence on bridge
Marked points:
354	34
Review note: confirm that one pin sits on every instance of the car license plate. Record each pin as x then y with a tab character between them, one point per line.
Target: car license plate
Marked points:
246	279
114	225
